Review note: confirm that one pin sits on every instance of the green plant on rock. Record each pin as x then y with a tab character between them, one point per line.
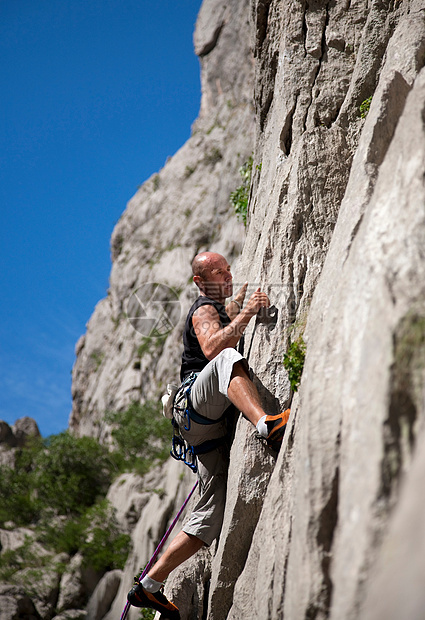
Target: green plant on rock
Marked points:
12	560
142	436
104	546
239	198
147	614
95	534
97	357
62	474
71	472
213	157
365	106
155	341
57	490
156	181
293	361
188	171
18	503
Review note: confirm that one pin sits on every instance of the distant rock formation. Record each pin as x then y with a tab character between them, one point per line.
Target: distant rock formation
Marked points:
15	437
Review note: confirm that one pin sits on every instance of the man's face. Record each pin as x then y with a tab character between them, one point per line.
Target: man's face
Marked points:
220	281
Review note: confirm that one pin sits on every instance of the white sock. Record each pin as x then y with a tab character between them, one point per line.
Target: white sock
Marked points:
262	426
150	585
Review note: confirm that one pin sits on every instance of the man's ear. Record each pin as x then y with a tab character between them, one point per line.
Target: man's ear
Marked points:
197	280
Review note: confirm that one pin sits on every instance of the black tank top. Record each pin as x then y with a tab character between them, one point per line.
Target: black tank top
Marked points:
193	359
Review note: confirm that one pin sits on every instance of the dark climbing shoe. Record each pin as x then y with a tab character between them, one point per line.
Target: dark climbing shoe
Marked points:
276	425
139	597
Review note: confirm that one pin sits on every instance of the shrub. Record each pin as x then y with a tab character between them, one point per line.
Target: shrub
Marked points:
97	359
58	486
95	534
104	546
142	435
213	157
293	361
63	535
147	614
156	181
71	472
17	503
239	198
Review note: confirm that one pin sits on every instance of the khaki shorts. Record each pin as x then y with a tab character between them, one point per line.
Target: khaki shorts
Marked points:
207	516
209	398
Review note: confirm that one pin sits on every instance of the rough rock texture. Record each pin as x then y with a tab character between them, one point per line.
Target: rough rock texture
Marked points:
336	235
74	585
13	539
73	614
15	604
103	595
360	408
40	582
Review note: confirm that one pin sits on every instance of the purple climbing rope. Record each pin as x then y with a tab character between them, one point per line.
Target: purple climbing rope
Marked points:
159	547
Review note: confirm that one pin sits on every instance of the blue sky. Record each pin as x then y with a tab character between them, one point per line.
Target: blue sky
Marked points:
95	95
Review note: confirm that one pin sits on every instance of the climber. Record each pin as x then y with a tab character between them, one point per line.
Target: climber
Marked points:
221	379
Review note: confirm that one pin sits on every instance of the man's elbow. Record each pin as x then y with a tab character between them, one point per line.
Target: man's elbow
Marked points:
210	352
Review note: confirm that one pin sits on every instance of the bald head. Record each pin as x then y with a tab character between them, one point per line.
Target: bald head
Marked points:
205	262
211	274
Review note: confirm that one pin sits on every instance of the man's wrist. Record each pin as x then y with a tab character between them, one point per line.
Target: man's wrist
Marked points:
237	303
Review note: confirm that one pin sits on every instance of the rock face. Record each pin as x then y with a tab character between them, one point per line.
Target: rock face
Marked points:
336	234
346	199
15	603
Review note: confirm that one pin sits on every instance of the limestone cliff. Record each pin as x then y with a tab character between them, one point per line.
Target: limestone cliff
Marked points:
336	234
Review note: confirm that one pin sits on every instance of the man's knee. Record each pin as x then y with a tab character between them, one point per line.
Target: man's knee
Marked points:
241	369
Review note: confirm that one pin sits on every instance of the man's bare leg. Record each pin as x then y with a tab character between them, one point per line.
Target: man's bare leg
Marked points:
181	548
244	395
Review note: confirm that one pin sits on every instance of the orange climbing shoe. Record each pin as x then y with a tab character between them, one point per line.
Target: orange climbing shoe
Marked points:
139	597
276	425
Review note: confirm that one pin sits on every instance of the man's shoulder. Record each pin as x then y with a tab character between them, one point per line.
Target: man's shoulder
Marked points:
201	301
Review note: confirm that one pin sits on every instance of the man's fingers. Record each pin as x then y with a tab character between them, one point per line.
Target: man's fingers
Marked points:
259	300
242	291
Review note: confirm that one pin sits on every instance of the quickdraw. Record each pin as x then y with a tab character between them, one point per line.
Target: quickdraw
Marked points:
182	451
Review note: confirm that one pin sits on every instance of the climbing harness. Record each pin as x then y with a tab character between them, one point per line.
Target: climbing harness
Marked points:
181	450
152	561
